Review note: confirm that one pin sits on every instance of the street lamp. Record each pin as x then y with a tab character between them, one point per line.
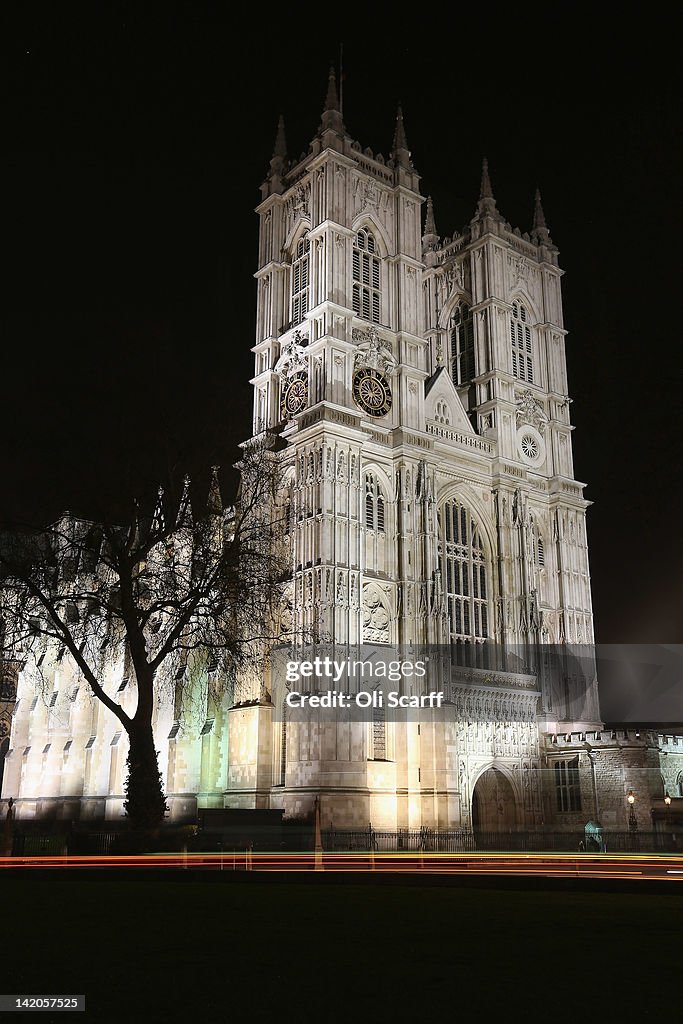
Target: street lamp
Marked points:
667	801
632	820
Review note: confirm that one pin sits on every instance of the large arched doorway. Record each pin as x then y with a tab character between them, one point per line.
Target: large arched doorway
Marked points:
493	803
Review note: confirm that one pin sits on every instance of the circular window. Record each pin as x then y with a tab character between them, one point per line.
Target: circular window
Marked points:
530	445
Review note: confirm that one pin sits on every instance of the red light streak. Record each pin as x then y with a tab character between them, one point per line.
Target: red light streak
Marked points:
605	866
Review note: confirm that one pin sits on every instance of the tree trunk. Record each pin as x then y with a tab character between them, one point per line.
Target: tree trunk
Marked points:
145	804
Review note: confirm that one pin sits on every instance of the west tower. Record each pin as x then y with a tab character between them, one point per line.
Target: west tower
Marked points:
418	388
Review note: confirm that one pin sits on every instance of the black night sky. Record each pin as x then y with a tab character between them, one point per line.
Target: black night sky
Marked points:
135	139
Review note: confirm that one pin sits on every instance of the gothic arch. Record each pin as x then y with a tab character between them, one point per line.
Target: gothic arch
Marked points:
300	228
495	799
520	294
458	296
382	479
461	491
366	221
466	558
377	518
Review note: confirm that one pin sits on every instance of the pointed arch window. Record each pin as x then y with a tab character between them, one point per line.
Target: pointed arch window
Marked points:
520	340
442	413
537	545
374	504
300	280
367	277
462	345
464	572
540	552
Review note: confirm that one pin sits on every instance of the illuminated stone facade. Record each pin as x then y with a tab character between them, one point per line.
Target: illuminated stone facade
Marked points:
418	388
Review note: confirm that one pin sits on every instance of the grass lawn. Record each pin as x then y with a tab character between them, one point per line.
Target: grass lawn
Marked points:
207	951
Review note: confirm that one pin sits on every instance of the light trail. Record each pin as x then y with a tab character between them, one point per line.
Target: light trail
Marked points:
603	866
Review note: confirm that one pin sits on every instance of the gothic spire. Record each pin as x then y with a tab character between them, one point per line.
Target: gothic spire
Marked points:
184	517
332	117
485	191
332	98
430	239
539	232
400	153
214	502
487	202
277	163
430	224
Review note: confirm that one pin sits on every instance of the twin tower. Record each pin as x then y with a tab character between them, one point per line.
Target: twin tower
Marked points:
418	388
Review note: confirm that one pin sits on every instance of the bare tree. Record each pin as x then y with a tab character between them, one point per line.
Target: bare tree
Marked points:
166	585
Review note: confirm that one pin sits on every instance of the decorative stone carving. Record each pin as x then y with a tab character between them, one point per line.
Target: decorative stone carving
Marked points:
520	269
375	615
292	356
372	354
340	592
530	411
287	611
448	282
369	195
297	204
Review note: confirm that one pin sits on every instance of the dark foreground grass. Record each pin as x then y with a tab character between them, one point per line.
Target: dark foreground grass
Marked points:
242	951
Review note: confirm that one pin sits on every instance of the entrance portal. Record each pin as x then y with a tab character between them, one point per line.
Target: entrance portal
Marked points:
493	803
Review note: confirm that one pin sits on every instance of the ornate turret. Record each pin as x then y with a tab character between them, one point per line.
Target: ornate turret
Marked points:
400	153
214	502
278	162
184	517
279	157
540	234
430	238
487	203
331	116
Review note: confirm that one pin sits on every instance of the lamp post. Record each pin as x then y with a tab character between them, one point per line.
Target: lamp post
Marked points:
632	820
667	802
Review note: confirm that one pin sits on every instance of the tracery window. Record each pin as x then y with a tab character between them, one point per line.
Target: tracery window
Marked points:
374	504
567	786
366	277
520	339
464	573
462	345
300	280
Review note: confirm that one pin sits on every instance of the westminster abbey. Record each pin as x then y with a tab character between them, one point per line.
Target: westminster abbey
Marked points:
418	389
